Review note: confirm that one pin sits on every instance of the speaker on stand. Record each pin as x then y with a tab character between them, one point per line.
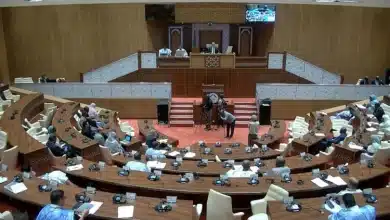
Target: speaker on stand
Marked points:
162	113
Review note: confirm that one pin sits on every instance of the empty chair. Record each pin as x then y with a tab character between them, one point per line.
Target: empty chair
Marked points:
219	206
46	119
36	131
196	211
382	156
337	124
55	161
43	138
366	157
10	157
259	207
9	96
3	139
32	125
328	152
282	147
7	215
5	102
48	106
106	154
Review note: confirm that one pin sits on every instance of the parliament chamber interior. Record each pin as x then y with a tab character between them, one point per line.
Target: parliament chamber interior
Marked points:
238	110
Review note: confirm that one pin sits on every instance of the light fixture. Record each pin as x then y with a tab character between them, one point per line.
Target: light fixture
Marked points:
32	0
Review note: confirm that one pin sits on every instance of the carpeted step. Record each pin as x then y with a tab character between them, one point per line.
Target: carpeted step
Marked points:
181	106
181	123
181	117
244	112
181	111
242	124
245	107
243	117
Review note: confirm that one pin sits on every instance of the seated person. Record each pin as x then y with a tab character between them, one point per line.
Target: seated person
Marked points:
372	101
378	112
336	140
56	209
351	210
137	165
57	149
377	81
346	115
164	52
151	136
154	151
92	133
280	165
113	144
385	125
243	171
352	187
364	81
92	112
182	52
52	131
375	145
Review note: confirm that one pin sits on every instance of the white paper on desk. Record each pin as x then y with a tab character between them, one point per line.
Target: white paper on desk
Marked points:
354	146
319	182
189	155
163	141
370	116
96	206
3	179
336	180
125	211
173	153
254	168
320	134
75	167
371	129
163	151
155	164
360	106
372	123
18	187
238	167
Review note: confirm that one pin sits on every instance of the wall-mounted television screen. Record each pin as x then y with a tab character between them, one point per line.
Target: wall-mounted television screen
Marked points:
260	13
160	12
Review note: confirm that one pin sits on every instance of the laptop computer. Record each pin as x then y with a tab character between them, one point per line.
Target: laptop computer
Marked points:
127	140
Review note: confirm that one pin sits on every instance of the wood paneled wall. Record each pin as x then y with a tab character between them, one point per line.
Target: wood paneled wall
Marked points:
352	41
69	39
187	82
227	13
4	71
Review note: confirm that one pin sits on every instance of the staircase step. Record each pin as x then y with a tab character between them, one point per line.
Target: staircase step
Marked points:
242	106
182	103
181	106
242	124
243	117
244	112
181	123
244	103
181	111
181	117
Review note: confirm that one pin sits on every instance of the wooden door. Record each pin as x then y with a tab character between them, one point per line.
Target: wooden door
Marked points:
207	37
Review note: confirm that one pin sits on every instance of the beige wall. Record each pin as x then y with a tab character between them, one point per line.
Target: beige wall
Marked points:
4	71
352	41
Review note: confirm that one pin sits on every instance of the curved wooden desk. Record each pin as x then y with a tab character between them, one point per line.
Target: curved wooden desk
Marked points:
311	207
62	121
31	150
295	163
238	153
145	126
275	133
143	206
241	192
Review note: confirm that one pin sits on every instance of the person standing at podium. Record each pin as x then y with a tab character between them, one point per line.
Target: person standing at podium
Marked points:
230	122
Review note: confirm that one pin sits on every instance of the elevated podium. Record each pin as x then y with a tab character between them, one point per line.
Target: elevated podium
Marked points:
199	60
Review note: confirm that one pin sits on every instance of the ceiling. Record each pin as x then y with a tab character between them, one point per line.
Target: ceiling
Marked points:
362	3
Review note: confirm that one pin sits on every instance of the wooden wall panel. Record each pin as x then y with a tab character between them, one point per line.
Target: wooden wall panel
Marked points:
127	108
187	82
4	71
288	109
63	41
352	41
229	13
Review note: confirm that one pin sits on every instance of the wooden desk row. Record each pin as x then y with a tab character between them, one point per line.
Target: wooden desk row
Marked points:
143	206
242	193
273	136
145	126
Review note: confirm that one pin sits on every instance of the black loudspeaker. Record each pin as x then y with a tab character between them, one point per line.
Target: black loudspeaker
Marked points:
387	76
265	112
162	113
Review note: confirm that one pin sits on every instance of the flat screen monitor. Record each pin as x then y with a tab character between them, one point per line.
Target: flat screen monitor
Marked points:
260	13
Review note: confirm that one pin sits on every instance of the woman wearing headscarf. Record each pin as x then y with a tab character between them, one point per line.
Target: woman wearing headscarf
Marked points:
113	144
371	104
92	133
385	125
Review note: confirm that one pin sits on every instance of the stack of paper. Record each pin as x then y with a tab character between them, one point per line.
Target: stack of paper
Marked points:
319	182
96	206
320	135
155	164
254	169
354	146
189	155
371	129
3	179
372	123
173	153
336	180
75	167
15	187
125	211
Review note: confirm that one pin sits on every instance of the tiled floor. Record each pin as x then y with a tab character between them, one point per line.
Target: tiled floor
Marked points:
190	135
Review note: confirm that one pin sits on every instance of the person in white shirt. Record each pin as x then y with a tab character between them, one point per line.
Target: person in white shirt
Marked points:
241	172
253	130
181	52
164	52
57	176
351	211
137	165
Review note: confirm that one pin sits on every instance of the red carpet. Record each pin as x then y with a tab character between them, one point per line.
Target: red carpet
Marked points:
190	135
